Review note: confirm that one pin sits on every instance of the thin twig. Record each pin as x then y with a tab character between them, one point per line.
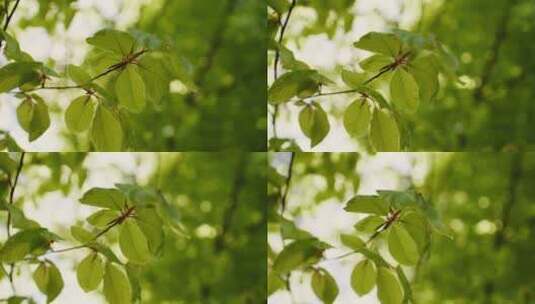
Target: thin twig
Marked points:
110	69
276	61
9	16
12	192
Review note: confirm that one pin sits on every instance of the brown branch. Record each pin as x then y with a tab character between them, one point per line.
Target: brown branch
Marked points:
8	16
13	186
499	38
276	62
237	185
109	70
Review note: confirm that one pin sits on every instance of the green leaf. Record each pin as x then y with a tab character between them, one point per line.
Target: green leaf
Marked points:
156	82
301	83
152	227
133	242
417	226
34	241
375	63
388	288
107	133
7	164
353	79
357	118
117	42
297	254
117	289
33	116
383	43
404	90
324	286
384	132
79	114
363	277
401	245
369	224
405	284
280	6
104	197
19	220
425	73
48	279
102	218
290	231
274	283
367	204
314	123
130	90
90	272
12	49
17	74
81	235
78	75
352	241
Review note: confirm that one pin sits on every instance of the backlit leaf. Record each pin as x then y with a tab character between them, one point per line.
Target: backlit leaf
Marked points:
383	43
133	242
130	89
384	132
79	114
363	277
117	289
106	133
367	204
388	288
324	286
104	197
401	245
314	123
48	279
357	118
404	90
90	272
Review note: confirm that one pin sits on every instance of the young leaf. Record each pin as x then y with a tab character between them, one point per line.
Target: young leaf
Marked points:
117	289
314	123
30	241
324	286
79	114
388	288
353	79
17	74
375	63
417	227
367	204
78	75
357	118
107	133
363	277
425	73
384	132
152	227
294	83
117	42
81	235
48	279
299	253
369	224
401	245
404	90
130	90
102	218
33	116
104	197
383	43
133	242
352	241
90	272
